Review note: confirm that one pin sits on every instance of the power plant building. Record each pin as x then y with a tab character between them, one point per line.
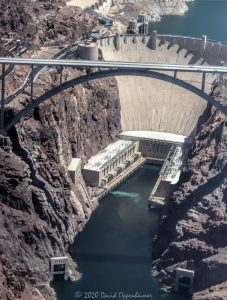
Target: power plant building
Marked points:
102	168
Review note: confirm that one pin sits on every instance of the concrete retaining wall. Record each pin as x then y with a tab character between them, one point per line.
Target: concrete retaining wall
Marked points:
150	104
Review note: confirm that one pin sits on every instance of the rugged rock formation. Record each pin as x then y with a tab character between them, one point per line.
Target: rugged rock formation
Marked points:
172	7
154	8
43	22
41	209
193	231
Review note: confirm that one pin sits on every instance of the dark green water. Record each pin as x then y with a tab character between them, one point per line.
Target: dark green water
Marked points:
208	17
114	250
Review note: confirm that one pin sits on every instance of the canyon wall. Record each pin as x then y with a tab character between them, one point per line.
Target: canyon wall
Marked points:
129	9
41	23
193	231
41	208
172	7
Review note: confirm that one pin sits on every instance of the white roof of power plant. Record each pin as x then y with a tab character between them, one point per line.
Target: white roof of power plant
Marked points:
155	135
101	159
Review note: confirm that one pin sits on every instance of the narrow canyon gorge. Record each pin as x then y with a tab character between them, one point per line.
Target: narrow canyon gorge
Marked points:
42	209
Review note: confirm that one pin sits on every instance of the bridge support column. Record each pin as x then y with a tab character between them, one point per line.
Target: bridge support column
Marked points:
61	75
3	97
203	44
89	71
32	79
203	81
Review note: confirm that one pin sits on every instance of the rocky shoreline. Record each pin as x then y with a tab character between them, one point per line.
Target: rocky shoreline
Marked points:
122	13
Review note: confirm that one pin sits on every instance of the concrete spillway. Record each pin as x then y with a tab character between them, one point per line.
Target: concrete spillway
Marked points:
151	104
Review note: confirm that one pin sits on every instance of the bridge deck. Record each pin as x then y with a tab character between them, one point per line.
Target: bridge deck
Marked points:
113	64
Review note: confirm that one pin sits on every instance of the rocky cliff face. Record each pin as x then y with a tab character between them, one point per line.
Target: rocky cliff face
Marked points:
43	22
41	208
154	8
193	232
172	7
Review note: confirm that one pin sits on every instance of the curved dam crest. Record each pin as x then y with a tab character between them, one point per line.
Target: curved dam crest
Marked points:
150	104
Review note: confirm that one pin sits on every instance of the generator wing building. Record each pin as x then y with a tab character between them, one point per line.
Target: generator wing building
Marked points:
110	162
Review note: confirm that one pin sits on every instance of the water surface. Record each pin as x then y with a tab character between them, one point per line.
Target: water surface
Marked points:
114	250
205	17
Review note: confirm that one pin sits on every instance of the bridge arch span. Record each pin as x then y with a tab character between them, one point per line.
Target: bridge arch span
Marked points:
109	73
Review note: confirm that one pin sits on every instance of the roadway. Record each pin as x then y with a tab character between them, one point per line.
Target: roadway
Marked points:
113	65
36	72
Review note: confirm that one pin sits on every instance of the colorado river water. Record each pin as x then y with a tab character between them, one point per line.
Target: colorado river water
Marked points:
114	250
206	17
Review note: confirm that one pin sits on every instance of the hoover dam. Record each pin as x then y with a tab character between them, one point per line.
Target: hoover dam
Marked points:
153	105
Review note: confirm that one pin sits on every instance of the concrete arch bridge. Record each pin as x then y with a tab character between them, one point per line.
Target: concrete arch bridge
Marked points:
164	90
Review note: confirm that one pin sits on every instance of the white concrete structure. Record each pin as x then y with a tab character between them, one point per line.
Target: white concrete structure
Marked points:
82	3
155	145
58	266
172	172
169	175
74	168
155	136
184	278
154	105
102	168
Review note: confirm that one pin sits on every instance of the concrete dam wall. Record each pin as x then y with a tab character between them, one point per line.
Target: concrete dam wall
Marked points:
151	104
